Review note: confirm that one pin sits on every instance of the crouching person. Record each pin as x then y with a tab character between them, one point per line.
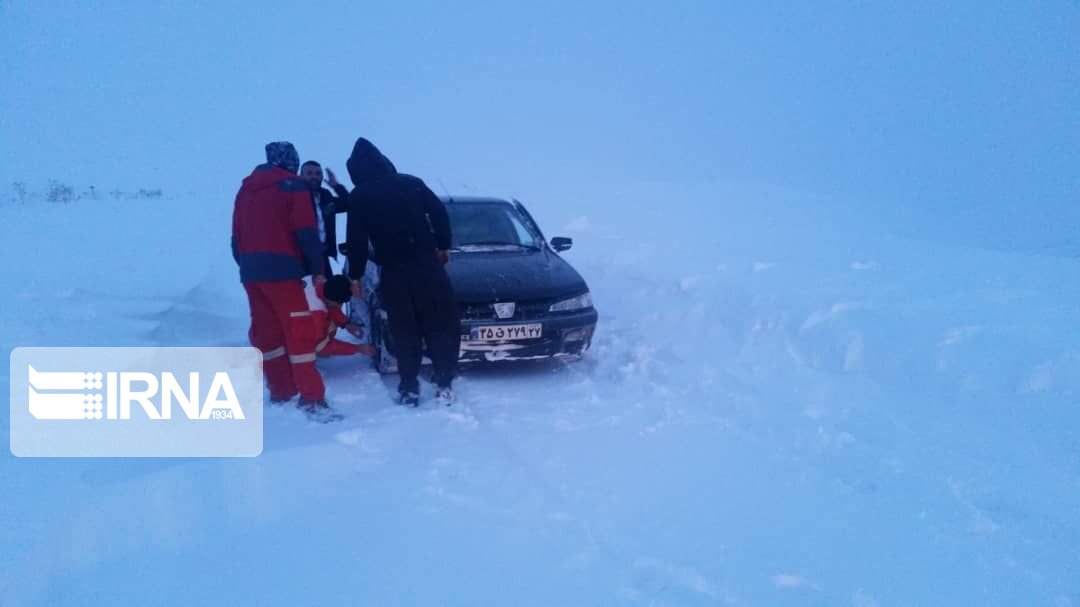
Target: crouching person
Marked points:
325	303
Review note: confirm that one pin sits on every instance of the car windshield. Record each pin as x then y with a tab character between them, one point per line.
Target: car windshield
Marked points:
489	225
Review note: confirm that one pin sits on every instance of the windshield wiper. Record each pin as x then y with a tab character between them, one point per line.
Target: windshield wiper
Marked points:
499	243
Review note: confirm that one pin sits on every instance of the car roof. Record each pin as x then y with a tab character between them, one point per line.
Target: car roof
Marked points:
474	200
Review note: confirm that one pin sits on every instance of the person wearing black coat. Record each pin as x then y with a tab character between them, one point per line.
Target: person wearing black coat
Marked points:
327	206
409	232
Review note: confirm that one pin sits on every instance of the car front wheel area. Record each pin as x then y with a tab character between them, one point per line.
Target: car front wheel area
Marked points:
384	361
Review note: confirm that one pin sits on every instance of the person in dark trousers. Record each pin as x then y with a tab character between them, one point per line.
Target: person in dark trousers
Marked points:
327	206
409	231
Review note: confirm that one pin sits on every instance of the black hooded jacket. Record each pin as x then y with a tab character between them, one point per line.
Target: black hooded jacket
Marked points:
403	219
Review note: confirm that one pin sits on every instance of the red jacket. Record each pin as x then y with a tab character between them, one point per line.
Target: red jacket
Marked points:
274	234
327	321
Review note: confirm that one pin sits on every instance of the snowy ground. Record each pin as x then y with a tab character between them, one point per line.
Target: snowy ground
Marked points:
782	407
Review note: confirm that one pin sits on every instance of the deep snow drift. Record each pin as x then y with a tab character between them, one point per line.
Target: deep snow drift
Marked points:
781	407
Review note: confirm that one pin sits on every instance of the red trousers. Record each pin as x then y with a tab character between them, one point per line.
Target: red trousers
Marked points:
336	347
283	329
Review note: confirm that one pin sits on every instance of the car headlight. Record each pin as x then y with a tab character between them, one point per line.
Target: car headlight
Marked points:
574	303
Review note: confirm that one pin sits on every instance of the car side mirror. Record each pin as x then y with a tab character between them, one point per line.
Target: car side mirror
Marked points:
562	243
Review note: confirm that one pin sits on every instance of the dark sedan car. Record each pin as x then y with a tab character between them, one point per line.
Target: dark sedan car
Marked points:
518	298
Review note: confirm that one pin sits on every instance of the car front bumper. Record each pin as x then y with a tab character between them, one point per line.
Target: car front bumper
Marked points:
563	335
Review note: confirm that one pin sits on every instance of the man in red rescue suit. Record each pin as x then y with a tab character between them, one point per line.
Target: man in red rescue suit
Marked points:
276	243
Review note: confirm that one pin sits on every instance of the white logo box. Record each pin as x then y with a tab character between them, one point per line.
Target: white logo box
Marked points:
136	402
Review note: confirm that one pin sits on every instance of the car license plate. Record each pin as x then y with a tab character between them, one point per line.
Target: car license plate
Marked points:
506	332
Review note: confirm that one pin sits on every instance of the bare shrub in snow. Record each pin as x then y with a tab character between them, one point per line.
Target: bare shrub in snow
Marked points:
60	192
20	191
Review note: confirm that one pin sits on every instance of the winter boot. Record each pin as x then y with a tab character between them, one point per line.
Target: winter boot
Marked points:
278	401
444	396
319	411
409	399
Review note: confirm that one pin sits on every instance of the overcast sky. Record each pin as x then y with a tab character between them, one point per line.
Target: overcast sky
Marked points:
957	107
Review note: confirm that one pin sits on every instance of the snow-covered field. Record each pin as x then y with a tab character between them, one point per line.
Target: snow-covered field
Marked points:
834	248
784	405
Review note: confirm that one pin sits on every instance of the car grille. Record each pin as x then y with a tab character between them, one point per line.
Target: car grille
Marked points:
524	310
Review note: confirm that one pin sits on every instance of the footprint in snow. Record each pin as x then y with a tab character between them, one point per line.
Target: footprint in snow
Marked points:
450	480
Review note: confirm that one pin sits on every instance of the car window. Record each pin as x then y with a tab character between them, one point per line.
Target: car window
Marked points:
488	224
523	233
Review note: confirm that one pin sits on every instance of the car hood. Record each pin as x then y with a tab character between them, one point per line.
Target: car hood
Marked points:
512	276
